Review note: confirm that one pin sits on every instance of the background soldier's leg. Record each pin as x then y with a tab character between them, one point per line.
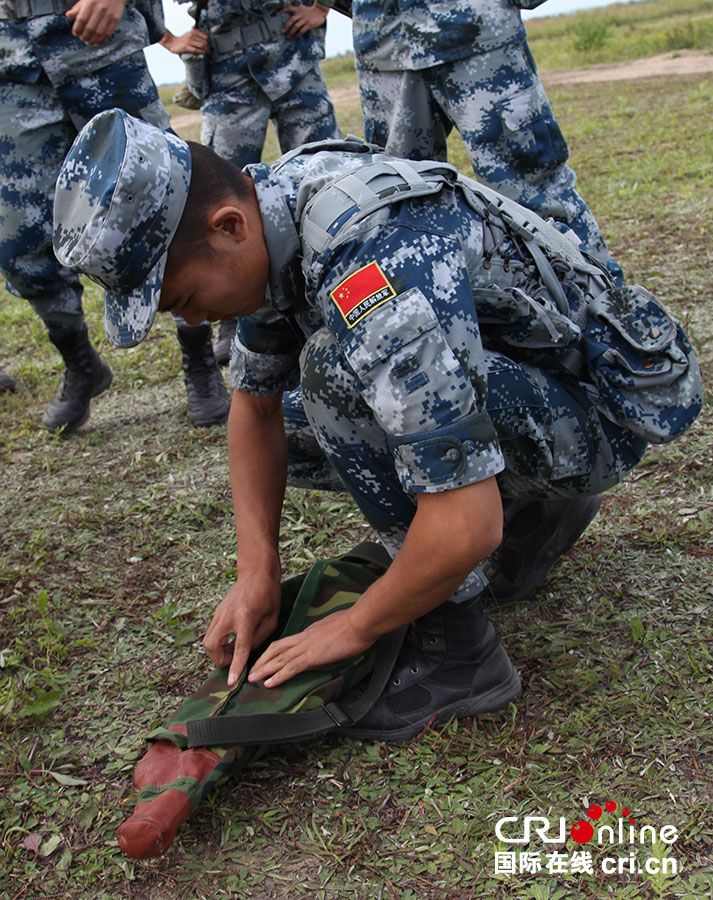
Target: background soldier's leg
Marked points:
500	108
234	116
36	135
401	115
127	84
305	114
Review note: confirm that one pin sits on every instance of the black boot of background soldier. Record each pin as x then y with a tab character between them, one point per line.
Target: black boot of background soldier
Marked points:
224	341
208	399
85	376
7	382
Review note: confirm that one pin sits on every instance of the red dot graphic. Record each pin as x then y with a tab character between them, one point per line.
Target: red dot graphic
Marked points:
582	832
631	821
594	811
611	805
625	812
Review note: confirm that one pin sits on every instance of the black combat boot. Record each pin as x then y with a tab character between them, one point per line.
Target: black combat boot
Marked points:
224	341
208	400
85	376
7	382
535	534
451	664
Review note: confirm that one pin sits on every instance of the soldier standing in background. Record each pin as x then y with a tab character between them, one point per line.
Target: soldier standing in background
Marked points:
428	66
62	62
260	62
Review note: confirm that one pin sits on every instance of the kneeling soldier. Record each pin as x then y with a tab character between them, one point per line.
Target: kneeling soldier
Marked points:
464	369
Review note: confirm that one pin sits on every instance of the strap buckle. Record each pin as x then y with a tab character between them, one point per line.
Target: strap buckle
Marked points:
337	715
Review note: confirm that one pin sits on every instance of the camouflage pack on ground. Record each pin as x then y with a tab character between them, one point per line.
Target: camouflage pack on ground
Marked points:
182	766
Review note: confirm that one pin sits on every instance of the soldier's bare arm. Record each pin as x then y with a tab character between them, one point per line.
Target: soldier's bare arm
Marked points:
95	20
303	19
451	533
257	455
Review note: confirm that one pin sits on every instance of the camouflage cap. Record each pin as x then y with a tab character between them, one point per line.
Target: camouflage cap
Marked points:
119	198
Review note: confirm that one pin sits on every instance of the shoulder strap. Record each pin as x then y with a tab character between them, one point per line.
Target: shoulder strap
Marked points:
362	190
350	144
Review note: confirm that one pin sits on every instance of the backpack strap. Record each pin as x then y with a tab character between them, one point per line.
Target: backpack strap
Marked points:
361	191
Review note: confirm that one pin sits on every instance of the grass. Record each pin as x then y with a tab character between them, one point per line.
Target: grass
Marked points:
621	32
117	544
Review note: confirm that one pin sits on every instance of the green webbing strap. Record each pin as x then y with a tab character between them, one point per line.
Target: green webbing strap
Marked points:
280	728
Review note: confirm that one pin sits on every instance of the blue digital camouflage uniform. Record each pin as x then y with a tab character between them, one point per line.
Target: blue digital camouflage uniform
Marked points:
255	73
51	84
426	66
441	333
409	385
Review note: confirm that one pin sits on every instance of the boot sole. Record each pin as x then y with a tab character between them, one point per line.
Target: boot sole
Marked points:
496	698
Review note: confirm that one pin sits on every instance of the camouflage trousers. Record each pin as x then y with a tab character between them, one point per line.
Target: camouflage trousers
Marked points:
555	443
38	123
236	113
498	104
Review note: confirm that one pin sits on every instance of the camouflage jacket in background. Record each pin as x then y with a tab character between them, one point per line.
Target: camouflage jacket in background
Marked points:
275	65
46	43
416	34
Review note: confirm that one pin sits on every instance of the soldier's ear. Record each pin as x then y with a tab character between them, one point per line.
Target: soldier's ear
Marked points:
228	222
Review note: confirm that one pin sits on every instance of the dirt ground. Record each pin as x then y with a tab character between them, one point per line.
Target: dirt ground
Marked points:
680	62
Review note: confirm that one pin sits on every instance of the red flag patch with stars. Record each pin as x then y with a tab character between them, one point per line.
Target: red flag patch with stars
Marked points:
361	292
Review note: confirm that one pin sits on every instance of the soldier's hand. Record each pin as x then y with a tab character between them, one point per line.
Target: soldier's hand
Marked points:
244	619
193	41
303	19
95	20
330	639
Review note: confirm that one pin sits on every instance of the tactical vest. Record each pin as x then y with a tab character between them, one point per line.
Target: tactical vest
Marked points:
622	340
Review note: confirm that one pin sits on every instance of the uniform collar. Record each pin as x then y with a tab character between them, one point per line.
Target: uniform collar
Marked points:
286	287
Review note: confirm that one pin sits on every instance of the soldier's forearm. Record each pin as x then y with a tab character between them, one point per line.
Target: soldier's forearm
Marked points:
257	455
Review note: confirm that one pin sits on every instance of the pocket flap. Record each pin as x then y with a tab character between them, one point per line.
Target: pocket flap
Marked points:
637	315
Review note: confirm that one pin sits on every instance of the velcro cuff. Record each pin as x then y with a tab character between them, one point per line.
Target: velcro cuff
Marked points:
262	374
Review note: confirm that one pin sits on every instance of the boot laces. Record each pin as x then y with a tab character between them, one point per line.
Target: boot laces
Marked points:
413	650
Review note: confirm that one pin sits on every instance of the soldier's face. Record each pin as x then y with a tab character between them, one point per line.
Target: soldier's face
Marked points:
217	286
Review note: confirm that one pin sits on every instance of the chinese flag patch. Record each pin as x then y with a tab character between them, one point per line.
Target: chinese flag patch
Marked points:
361	292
